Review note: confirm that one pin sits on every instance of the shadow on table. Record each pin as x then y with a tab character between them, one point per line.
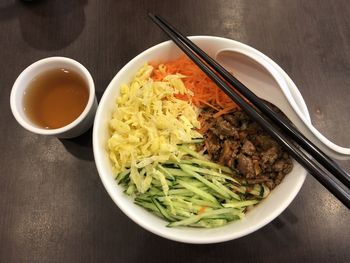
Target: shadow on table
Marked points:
8	10
280	231
80	147
47	24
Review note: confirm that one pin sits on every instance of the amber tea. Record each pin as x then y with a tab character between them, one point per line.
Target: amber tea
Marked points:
55	98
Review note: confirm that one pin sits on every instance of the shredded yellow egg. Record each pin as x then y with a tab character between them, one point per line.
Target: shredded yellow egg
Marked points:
149	122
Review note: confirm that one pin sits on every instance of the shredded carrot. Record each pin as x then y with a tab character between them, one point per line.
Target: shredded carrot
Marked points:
224	111
205	91
201	210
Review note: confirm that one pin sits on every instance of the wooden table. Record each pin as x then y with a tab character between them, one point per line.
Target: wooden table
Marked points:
53	206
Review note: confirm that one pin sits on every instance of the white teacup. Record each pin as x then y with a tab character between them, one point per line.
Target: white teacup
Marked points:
73	129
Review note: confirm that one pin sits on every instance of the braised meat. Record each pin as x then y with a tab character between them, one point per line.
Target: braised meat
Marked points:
248	148
236	141
245	166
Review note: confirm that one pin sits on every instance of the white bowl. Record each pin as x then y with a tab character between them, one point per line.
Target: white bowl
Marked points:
258	217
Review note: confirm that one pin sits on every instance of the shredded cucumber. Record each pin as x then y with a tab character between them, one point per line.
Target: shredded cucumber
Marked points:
191	192
162	210
224	189
204	203
196	218
240	204
166	172
210	223
208	164
122	175
212	172
187	168
191	152
197	191
175	172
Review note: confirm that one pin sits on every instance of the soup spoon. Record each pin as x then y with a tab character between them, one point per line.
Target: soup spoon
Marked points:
264	79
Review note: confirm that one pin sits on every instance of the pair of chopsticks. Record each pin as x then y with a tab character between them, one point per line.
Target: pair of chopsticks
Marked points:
337	181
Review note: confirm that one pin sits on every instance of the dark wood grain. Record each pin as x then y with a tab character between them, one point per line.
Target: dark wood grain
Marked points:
53	206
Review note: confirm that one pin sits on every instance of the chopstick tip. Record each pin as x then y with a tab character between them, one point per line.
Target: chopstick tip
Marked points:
151	15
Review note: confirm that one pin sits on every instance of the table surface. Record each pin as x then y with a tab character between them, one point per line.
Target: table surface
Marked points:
53	206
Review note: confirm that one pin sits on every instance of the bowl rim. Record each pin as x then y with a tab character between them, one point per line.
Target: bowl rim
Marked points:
158	231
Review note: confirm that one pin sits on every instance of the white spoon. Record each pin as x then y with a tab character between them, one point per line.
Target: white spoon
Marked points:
262	78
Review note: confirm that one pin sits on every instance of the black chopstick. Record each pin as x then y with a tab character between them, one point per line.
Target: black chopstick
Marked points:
332	184
291	131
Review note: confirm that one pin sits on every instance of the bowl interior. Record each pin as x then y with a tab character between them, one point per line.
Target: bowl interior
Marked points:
264	213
